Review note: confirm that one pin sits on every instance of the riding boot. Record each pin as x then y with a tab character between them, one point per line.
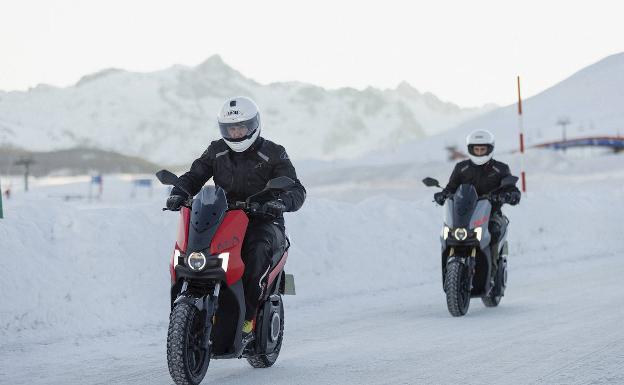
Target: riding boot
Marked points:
248	332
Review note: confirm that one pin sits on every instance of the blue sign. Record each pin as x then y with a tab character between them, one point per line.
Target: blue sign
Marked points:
143	182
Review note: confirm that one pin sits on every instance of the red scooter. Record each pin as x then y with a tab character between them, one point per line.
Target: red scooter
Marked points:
207	301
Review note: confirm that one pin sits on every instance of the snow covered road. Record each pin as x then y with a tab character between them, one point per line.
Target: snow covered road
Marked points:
561	325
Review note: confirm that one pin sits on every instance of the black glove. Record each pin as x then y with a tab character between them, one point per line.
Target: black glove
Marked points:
440	197
513	198
498	198
174	202
273	208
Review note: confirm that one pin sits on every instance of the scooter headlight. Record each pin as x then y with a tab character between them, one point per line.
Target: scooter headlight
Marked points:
225	259
478	232
196	261
460	234
445	232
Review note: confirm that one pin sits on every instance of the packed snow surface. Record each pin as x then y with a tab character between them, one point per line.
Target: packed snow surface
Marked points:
85	284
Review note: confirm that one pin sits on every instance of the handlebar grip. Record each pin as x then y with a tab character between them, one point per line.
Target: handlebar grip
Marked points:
254	207
238	205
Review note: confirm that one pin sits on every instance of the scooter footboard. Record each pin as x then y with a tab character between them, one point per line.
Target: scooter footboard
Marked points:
226	336
481	279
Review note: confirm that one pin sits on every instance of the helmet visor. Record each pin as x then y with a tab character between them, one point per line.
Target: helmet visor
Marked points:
480	149
239	131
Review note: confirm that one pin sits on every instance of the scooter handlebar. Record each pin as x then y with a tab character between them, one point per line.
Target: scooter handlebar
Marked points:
249	207
187	203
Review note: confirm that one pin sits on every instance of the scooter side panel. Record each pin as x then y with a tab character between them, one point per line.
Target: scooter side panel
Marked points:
181	241
229	238
448	209
481	218
183	229
277	269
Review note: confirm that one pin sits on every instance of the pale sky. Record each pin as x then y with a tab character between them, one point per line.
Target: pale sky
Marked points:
466	52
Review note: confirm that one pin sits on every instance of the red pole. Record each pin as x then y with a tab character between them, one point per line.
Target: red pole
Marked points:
519	98
521	129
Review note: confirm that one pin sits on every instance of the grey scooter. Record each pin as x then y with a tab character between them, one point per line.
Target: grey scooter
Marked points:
466	251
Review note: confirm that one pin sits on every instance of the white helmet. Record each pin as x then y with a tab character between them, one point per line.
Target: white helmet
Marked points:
239	122
480	137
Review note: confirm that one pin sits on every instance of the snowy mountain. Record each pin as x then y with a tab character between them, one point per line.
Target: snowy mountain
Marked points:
591	99
169	116
75	161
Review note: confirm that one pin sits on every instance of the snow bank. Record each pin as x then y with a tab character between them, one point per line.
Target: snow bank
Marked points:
78	268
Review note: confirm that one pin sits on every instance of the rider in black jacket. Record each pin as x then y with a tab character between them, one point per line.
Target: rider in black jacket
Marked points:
485	174
242	163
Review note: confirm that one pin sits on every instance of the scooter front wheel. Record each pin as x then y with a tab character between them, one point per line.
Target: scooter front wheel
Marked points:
187	355
456	287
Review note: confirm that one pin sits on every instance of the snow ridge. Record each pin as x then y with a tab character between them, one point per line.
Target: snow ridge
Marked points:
168	116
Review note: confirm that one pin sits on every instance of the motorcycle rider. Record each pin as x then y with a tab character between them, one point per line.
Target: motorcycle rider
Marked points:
242	163
485	174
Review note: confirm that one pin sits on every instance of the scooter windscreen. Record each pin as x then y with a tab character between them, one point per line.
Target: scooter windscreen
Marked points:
464	203
209	208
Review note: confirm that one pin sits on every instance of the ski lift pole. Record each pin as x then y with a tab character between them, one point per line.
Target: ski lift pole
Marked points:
26	162
521	131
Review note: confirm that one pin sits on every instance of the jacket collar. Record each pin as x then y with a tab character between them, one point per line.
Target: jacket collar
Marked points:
485	165
255	146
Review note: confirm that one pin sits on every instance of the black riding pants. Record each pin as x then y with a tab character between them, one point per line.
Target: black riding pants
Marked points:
264	242
496	227
498	223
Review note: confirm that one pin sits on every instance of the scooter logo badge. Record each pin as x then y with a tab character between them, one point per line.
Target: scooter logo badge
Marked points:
228	243
479	222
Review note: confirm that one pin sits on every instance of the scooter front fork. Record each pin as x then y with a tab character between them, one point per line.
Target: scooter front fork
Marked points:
211	303
469	261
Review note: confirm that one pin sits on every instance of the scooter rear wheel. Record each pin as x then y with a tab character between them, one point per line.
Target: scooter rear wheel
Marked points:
499	289
267	360
491	301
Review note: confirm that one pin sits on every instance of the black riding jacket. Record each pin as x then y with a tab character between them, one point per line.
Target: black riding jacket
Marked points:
486	178
242	174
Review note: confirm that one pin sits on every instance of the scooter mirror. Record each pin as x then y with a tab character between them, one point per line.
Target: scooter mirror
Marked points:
430	182
509	180
280	183
167	177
